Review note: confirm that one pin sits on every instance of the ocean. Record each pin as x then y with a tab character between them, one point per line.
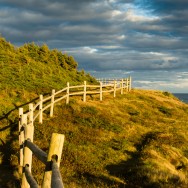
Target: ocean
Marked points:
182	96
171	81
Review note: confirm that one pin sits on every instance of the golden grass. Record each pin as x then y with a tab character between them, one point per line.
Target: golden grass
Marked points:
138	139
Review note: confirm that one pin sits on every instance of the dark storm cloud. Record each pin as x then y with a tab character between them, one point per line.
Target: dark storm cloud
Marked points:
103	34
41	19
173	14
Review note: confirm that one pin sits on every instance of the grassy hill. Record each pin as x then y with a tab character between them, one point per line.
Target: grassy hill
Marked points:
138	139
135	140
30	70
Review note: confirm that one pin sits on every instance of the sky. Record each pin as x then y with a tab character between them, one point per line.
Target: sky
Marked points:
144	39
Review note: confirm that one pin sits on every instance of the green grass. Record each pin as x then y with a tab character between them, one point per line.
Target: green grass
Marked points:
30	70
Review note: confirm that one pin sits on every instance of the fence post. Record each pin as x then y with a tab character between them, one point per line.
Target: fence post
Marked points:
40	108
52	103
56	147
20	118
130	83
100	91
115	82
21	139
127	84
67	100
121	85
84	96
29	130
31	114
27	158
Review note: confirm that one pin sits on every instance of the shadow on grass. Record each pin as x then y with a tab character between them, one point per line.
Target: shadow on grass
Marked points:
101	181
6	115
8	153
9	156
8	168
131	171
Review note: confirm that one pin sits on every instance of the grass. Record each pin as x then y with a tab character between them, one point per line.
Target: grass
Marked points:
128	141
30	70
138	139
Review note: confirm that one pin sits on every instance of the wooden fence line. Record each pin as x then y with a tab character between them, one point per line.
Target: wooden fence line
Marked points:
26	124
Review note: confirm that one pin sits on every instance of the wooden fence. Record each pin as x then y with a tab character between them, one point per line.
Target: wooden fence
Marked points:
26	128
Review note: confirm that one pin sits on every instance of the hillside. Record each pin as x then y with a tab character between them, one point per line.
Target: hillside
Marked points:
138	139
30	70
135	140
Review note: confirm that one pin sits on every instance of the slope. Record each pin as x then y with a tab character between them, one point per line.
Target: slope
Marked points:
138	139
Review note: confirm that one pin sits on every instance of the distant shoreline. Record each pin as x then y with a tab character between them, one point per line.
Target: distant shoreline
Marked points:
182	96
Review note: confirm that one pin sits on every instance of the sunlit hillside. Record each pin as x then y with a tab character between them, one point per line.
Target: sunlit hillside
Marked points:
30	70
138	139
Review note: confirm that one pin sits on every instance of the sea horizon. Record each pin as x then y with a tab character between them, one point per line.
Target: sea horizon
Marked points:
182	96
170	81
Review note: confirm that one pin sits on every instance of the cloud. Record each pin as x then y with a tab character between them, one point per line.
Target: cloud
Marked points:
164	6
103	35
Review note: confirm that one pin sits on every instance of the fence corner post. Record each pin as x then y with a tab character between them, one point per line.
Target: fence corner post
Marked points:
67	99
56	147
84	95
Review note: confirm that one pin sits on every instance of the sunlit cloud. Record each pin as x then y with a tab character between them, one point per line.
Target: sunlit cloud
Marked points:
132	16
89	50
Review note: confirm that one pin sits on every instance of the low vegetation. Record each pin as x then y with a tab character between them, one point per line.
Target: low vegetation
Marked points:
138	139
30	70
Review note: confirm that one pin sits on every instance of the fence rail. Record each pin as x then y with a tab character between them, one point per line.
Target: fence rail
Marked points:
52	177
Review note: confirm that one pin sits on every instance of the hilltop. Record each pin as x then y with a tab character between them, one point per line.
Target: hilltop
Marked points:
138	139
30	70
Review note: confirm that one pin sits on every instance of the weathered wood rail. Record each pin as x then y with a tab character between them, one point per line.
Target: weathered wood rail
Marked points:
52	177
